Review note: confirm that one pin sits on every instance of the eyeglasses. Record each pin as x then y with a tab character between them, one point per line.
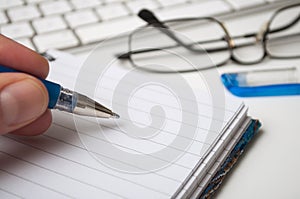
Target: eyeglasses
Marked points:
203	43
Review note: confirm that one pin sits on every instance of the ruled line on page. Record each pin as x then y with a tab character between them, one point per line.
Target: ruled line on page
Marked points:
9	192
60	137
28	180
87	185
76	162
69	77
195	157
58	173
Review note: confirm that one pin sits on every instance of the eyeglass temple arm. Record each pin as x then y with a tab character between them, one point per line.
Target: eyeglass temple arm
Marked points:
127	54
151	19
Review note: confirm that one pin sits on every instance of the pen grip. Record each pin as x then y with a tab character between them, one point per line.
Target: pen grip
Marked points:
52	88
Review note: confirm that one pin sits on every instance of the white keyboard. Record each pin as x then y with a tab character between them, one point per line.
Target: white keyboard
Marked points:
68	24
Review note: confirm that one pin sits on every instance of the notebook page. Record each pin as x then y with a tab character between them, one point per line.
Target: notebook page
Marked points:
74	160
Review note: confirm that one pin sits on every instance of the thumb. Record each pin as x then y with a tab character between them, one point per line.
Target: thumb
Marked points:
23	99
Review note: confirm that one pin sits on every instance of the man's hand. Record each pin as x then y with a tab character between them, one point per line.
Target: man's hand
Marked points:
23	98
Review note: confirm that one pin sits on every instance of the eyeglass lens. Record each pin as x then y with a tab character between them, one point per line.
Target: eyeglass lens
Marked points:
202	48
283	38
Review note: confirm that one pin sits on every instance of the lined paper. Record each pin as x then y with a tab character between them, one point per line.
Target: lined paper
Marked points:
71	159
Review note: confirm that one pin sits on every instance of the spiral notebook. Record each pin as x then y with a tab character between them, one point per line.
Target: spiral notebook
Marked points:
82	157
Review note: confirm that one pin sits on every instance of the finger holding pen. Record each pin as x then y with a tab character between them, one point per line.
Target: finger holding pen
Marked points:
23	98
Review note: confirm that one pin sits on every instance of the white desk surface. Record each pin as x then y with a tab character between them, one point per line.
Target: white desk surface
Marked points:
269	168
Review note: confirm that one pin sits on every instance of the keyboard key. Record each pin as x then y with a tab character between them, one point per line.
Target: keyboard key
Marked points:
136	5
202	8
4	4
79	18
23	13
112	1
17	30
3	18
271	1
34	1
97	32
59	40
55	7
25	42
49	24
79	4
112	11
241	4
165	3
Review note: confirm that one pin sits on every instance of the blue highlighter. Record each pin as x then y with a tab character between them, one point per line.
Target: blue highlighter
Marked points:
266	82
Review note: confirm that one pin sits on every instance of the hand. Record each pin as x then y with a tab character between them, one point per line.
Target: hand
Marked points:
23	98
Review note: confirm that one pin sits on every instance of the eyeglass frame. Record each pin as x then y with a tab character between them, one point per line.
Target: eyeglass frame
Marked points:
261	36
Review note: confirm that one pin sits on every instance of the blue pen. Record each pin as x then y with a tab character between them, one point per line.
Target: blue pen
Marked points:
66	100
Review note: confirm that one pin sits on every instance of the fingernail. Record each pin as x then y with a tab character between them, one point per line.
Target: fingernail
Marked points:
22	101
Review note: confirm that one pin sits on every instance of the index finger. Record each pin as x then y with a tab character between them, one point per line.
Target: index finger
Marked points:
17	56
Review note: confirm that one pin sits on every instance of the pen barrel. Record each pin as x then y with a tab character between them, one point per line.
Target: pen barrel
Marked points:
52	88
53	92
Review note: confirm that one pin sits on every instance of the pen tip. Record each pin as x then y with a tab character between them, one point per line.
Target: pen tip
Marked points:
115	116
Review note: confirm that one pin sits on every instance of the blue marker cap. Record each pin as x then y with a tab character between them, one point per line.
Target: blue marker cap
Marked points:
270	82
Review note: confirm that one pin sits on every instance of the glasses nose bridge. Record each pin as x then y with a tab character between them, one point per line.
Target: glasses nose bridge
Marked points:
262	31
228	37
258	37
